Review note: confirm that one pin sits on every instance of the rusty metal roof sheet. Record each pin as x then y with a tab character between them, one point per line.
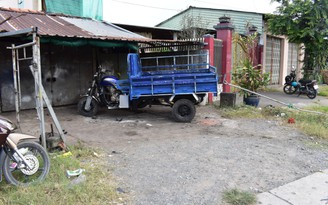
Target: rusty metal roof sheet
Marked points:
63	26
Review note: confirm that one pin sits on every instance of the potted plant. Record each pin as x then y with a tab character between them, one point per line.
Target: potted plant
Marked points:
251	78
247	75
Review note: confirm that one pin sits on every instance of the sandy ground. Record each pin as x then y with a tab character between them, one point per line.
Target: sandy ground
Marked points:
158	161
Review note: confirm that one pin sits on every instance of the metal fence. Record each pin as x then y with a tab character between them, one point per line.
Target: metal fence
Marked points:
176	61
161	46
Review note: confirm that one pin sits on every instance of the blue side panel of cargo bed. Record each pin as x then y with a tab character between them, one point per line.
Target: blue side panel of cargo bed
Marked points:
169	82
124	86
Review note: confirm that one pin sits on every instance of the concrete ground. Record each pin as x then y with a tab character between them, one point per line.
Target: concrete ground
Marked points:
310	190
172	167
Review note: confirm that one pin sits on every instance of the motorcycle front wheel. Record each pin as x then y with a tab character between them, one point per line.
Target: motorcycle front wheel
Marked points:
312	93
93	107
17	173
289	89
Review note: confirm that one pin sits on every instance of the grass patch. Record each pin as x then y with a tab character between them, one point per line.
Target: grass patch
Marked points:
310	123
323	91
98	188
236	197
243	111
317	145
323	109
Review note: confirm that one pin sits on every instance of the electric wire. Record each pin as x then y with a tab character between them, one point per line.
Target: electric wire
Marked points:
218	5
143	5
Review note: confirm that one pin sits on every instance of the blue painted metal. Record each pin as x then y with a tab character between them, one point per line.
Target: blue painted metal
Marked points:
123	85
113	81
109	80
199	78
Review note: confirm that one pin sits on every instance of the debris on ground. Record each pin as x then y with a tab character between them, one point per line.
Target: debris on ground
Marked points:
120	190
291	120
209	122
74	173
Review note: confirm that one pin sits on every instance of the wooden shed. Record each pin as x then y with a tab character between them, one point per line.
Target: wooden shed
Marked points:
71	49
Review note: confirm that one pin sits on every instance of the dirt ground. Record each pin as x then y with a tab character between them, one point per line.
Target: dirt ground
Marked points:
158	161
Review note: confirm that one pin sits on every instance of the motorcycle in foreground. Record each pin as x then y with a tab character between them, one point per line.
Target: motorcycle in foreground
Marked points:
23	161
308	87
104	90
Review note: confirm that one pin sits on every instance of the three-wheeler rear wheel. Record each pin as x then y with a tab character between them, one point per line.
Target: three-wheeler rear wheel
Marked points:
183	110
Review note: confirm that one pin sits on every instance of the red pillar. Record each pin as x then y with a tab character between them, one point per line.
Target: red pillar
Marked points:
209	45
224	31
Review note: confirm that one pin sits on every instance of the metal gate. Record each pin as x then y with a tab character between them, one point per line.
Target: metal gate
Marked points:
292	56
218	57
273	59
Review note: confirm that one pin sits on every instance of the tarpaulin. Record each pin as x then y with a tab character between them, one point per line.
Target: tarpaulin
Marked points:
92	42
83	8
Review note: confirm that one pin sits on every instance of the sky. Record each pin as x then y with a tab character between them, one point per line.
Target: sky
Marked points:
152	12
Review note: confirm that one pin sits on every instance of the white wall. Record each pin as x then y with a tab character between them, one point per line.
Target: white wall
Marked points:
23	4
9	3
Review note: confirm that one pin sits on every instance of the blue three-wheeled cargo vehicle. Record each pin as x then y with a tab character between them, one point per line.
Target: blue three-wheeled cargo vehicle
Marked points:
180	81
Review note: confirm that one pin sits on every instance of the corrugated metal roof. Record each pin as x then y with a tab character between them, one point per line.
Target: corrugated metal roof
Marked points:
63	26
99	28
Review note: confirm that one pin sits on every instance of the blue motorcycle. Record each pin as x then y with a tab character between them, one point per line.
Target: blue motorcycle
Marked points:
104	90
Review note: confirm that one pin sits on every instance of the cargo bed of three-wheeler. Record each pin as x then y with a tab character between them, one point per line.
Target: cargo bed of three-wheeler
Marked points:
180	81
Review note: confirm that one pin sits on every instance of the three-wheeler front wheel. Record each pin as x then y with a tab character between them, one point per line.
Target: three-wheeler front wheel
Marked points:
183	110
92	111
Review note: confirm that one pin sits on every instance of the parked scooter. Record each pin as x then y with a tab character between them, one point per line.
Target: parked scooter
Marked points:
104	90
308	87
23	161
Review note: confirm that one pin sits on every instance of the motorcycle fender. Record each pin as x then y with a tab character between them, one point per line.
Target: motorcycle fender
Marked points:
93	97
17	137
